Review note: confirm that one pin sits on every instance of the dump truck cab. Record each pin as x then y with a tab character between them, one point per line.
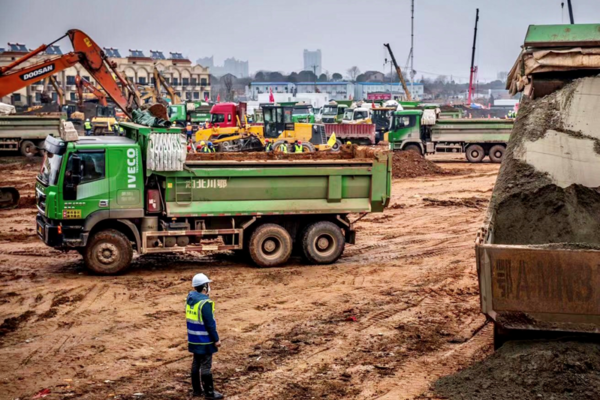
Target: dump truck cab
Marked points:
223	115
360	115
303	113
333	112
85	182
405	130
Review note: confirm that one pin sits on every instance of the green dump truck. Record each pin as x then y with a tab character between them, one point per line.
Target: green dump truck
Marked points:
26	133
196	112
107	197
421	131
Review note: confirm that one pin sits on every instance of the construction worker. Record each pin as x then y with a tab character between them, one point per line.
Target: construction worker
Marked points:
118	129
268	146
203	339
188	131
87	126
201	146
297	146
210	148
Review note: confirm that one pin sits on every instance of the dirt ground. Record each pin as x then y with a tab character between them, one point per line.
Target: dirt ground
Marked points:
399	310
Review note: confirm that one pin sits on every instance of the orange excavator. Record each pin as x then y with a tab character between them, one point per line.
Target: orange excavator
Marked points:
85	52
84	84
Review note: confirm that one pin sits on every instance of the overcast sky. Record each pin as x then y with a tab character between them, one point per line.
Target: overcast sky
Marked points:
272	34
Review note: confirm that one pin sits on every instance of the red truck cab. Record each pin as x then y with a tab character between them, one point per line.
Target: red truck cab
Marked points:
223	115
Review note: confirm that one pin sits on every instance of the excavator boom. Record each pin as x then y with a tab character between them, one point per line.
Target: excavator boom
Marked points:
83	84
399	72
88	54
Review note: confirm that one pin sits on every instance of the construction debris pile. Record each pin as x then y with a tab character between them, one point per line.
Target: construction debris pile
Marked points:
547	186
410	164
529	370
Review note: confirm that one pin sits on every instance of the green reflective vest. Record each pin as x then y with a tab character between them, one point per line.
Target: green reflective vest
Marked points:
87	125
196	330
297	148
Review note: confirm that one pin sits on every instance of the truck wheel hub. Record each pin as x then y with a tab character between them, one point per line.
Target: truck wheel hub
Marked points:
324	243
107	253
270	245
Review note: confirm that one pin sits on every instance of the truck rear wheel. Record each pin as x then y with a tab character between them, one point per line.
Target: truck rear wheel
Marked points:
497	153
108	252
28	148
413	147
270	245
475	153
322	243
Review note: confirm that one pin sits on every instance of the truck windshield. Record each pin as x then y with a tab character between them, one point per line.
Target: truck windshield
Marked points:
330	110
217	118
401	121
348	115
50	168
303	111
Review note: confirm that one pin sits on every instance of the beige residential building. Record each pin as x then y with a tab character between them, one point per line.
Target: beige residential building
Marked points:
191	82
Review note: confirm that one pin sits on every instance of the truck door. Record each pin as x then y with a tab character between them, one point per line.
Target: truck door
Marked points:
126	183
85	186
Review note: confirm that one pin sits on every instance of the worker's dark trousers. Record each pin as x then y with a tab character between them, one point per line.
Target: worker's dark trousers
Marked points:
201	365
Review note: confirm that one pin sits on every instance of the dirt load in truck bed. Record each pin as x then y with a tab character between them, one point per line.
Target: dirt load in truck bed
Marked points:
346	153
547	188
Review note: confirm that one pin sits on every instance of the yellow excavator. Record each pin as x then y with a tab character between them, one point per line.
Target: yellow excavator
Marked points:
159	82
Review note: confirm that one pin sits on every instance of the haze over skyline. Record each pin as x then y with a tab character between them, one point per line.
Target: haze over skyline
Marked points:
272	34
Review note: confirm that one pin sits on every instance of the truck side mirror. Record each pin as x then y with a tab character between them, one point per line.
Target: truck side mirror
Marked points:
76	173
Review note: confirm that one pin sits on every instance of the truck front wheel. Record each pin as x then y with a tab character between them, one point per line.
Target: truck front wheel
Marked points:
413	147
322	243
497	153
270	245
108	252
475	153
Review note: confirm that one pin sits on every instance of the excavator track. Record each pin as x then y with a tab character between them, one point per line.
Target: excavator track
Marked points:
9	197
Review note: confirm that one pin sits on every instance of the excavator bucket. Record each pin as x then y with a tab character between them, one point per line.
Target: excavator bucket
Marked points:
9	197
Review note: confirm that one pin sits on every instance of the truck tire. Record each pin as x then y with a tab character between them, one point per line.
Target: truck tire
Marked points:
308	148
413	147
280	143
28	148
108	252
475	153
270	245
501	336
497	153
322	243
337	145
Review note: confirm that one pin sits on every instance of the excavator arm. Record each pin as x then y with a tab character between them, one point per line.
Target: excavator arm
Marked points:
159	80
399	72
83	84
58	90
88	54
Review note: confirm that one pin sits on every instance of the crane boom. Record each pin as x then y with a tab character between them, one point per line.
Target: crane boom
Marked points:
85	52
399	72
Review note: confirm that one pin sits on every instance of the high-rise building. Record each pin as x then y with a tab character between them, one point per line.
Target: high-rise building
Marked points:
312	61
231	66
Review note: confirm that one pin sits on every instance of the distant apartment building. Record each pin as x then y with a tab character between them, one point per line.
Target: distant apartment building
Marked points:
191	82
386	91
335	90
238	68
312	61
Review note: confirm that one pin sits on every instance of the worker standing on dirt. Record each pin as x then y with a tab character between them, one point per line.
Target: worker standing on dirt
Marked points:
188	131
268	146
203	339
209	148
297	147
87	126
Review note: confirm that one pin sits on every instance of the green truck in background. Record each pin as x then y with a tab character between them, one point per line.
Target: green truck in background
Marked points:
421	131
107	197
333	113
196	112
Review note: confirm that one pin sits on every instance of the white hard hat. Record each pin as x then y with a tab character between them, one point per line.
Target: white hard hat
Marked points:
199	280
87	119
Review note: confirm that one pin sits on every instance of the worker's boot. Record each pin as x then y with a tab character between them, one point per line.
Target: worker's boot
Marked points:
209	388
196	386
